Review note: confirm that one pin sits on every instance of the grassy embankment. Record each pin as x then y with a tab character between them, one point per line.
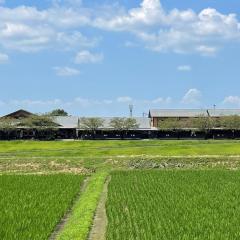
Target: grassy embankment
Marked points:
80	221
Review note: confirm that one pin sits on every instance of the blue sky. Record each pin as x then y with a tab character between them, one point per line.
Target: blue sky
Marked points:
96	57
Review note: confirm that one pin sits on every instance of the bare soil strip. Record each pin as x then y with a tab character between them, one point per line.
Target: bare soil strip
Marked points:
65	218
99	226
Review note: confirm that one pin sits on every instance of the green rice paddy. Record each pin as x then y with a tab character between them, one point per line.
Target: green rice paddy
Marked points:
182	190
31	205
180	205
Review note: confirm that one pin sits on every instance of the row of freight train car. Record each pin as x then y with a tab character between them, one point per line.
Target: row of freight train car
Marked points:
58	134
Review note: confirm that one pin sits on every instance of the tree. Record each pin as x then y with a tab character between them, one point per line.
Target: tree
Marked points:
91	124
170	123
231	123
117	124
58	112
6	124
130	124
123	124
204	123
37	121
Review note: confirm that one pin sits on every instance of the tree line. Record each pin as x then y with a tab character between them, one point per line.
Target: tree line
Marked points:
47	121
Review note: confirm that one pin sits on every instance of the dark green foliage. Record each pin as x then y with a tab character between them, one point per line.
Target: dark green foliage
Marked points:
32	205
58	112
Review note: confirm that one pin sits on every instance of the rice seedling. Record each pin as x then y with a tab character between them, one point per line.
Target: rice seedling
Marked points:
32	205
179	205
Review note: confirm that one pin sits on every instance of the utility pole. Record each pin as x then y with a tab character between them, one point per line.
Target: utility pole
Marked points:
131	110
214	109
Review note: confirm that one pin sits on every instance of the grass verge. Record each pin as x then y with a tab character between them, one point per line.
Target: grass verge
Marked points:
79	223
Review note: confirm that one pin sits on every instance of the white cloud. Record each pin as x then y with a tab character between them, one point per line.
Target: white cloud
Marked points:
4	58
84	103
66	71
207	50
75	3
161	100
178	31
124	99
88	57
184	68
232	100
30	102
193	96
28	29
60	26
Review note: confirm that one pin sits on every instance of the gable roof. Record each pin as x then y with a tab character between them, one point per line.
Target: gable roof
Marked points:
18	114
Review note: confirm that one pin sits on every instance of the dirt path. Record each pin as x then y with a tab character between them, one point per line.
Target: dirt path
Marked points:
100	220
65	218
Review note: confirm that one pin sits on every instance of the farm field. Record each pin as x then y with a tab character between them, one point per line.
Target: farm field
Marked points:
87	156
32	205
174	205
157	190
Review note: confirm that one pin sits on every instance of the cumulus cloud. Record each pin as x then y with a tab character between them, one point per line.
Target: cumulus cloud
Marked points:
4	58
193	96
88	57
184	68
232	100
181	31
66	71
28	29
